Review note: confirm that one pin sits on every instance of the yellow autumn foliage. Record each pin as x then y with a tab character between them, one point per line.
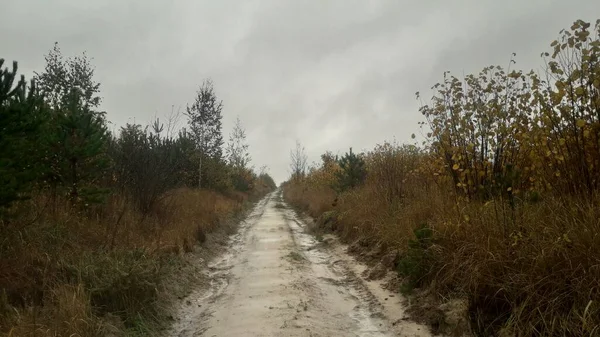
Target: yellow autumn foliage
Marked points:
508	182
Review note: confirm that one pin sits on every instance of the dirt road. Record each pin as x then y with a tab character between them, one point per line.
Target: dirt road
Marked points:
276	280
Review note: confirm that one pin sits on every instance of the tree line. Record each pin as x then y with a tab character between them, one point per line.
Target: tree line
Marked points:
55	139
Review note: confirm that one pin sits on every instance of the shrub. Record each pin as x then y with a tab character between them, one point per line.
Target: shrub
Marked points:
416	261
352	171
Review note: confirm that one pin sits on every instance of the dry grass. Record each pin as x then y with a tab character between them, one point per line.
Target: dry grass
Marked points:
502	208
84	272
532	269
315	201
67	311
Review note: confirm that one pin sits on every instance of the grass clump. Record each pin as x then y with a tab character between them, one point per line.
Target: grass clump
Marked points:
124	283
295	256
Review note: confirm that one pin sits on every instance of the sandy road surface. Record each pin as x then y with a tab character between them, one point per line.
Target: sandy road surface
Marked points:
276	280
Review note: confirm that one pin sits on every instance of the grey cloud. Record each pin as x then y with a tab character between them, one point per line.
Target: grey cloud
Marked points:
332	74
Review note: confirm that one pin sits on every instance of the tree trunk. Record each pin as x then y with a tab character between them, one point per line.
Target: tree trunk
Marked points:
74	191
200	172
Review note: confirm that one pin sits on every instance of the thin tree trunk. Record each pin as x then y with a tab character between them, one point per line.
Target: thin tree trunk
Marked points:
74	191
200	173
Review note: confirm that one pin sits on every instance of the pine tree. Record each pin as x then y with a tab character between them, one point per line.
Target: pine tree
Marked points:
78	142
21	116
352	171
147	163
205	126
77	136
186	148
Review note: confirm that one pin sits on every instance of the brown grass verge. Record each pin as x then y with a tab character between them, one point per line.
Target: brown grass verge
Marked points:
529	270
68	271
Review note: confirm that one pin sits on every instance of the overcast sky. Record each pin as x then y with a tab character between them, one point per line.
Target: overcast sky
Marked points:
330	73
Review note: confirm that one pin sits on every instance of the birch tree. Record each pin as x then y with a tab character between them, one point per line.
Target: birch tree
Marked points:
205	126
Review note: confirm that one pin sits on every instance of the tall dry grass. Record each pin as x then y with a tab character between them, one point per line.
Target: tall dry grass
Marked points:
378	210
73	271
532	271
528	269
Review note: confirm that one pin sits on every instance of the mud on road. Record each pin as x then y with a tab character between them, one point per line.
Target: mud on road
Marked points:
276	280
